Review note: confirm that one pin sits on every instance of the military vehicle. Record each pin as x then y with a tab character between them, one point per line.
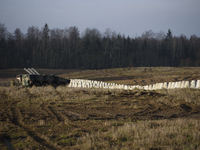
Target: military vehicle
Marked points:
34	78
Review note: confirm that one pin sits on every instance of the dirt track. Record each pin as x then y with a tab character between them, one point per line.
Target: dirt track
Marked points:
30	117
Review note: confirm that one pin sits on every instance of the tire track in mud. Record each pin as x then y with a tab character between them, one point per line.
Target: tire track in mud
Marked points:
157	112
59	117
151	112
5	115
49	112
17	120
63	116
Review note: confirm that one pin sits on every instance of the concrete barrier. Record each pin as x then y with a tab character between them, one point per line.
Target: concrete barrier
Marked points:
150	87
154	87
187	84
183	84
169	85
161	85
176	85
165	85
198	84
146	87
140	87
179	84
173	85
157	86
81	83
193	84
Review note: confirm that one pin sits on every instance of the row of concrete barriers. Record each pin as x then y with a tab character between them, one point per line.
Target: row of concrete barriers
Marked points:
81	83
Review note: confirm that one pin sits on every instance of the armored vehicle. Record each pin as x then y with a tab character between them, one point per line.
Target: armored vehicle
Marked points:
34	78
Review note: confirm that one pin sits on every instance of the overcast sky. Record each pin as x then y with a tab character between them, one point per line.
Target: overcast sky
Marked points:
129	17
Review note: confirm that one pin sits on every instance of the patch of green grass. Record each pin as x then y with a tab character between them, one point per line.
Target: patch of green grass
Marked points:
50	125
17	135
22	145
64	135
21	104
59	105
189	137
66	141
102	129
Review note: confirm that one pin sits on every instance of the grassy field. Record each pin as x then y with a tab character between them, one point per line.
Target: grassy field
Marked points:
69	118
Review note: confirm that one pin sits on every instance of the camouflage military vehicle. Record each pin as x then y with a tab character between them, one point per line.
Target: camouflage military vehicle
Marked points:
34	78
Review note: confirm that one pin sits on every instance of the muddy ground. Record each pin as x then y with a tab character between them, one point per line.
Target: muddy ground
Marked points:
48	118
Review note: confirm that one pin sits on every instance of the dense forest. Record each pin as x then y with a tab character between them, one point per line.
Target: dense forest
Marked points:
68	49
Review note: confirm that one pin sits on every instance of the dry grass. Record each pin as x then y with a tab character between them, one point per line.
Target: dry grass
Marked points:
108	119
160	134
179	96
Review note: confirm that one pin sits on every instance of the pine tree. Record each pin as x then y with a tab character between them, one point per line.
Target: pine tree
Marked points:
169	35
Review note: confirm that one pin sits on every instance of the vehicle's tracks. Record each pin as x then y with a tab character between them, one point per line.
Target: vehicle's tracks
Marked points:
50	113
59	117
17	120
63	115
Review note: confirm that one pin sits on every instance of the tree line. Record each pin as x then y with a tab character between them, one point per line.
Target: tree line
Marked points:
68	49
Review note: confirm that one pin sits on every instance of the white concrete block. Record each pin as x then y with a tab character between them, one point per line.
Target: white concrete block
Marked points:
116	86
140	87
125	87
176	85
131	87
198	84
187	84
169	85
101	85
173	85
157	86
134	87
150	87
146	87
105	87
179	84
161	85
80	84
154	87
183	84
193	84
165	85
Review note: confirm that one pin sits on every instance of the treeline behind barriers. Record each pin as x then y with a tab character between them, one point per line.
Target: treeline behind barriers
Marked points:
68	49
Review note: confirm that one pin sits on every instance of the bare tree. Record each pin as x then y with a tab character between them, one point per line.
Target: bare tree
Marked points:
3	31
